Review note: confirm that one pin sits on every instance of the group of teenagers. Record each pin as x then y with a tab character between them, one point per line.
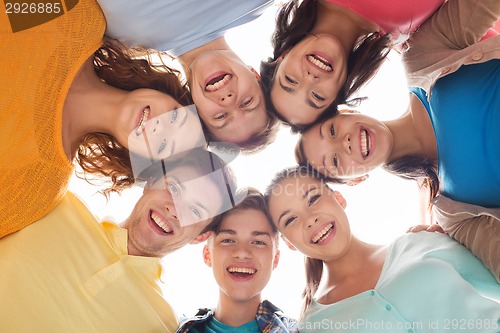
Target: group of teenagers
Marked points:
85	92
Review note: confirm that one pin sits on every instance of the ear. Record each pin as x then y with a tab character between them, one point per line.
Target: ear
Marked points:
257	75
276	259
348	111
201	238
207	258
340	199
287	242
357	180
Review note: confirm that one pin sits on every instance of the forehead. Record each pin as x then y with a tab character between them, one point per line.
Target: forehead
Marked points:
247	221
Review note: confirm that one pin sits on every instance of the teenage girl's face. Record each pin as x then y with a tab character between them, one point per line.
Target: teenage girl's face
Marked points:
228	96
309	216
162	220
243	254
156	125
347	145
308	78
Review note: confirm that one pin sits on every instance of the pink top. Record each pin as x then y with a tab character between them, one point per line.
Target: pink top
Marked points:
393	16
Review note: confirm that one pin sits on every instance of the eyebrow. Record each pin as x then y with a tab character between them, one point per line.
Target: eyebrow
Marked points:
292	91
184	119
254	233
322	137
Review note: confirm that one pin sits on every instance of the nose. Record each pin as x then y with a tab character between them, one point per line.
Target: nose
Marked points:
227	98
171	210
312	221
311	76
242	251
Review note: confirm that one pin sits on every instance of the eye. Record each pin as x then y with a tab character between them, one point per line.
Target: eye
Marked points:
196	212
313	199
332	132
227	241
318	97
173	116
220	116
162	146
335	161
258	242
246	102
173	189
289	220
290	80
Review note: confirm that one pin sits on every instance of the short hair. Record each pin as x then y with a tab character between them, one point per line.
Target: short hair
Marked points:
253	199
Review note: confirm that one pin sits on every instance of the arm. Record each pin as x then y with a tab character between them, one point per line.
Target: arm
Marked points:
475	227
454	26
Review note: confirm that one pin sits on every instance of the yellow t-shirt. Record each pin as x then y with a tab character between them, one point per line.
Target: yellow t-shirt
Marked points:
68	273
36	69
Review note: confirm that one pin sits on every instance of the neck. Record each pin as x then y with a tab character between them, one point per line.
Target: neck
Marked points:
357	271
235	313
413	133
343	23
88	107
215	45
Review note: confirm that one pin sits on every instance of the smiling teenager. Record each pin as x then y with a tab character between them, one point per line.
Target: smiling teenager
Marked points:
455	92
69	273
77	100
412	284
242	252
325	50
225	90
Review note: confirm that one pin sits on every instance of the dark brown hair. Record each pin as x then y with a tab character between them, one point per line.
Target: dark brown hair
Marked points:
313	267
100	154
293	23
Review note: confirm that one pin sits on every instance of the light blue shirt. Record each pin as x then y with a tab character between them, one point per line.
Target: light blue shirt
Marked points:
176	26
429	283
214	326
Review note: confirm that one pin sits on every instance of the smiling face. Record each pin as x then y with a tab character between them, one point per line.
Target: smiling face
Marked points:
309	216
347	145
164	220
308	78
159	137
243	255
228	96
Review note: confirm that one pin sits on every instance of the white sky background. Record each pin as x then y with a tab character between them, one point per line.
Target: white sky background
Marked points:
379	209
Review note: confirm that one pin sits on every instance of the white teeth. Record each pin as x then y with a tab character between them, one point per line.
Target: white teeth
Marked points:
142	121
159	221
320	62
325	232
365	143
218	84
241	270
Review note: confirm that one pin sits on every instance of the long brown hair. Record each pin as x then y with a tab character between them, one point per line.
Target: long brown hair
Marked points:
313	267
293	23
100	154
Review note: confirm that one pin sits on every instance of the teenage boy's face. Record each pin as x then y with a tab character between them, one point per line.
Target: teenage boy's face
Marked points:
228	96
243	254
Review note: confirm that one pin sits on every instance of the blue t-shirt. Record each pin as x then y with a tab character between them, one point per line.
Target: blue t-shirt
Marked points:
465	112
212	325
177	26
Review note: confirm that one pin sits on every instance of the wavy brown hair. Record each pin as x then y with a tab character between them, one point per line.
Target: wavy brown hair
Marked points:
293	23
100	154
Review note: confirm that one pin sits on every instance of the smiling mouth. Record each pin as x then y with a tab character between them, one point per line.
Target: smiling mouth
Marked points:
142	121
323	233
217	82
365	143
158	220
320	62
241	272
